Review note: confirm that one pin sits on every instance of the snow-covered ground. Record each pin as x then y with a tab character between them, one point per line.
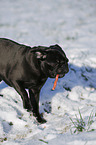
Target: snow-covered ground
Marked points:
71	24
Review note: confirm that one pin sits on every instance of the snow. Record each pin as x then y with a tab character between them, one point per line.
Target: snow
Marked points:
71	24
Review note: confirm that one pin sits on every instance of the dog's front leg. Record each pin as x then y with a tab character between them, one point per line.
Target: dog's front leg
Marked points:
22	92
34	98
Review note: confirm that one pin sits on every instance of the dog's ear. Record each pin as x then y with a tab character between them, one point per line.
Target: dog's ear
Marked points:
56	47
40	55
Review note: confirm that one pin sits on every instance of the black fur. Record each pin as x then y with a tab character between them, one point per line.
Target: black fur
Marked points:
23	67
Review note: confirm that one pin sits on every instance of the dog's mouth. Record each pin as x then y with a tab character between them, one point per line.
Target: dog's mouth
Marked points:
56	76
59	75
56	79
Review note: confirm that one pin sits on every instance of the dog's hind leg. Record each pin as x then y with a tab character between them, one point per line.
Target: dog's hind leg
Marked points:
22	92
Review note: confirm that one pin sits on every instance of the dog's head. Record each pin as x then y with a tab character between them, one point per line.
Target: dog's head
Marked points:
53	60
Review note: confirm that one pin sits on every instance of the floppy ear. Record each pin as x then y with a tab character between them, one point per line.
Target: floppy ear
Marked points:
56	46
40	55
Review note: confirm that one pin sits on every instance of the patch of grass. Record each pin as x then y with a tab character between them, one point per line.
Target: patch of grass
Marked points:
80	125
10	123
3	139
43	141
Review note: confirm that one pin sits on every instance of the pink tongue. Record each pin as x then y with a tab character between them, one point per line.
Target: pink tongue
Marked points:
55	83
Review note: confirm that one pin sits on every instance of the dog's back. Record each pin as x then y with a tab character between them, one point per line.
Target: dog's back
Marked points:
7	49
10	54
7	45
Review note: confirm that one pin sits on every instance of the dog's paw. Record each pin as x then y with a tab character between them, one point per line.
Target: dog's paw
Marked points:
41	120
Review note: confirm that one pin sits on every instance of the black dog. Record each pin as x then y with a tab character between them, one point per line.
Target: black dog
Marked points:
23	67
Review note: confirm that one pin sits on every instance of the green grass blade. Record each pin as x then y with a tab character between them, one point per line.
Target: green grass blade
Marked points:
43	141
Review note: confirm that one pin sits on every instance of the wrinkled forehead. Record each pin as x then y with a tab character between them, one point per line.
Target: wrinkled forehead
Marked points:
58	54
58	50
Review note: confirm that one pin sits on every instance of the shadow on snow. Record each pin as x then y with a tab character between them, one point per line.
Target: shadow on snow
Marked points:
78	76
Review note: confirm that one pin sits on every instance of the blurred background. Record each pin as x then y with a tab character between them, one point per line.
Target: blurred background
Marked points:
72	25
45	22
